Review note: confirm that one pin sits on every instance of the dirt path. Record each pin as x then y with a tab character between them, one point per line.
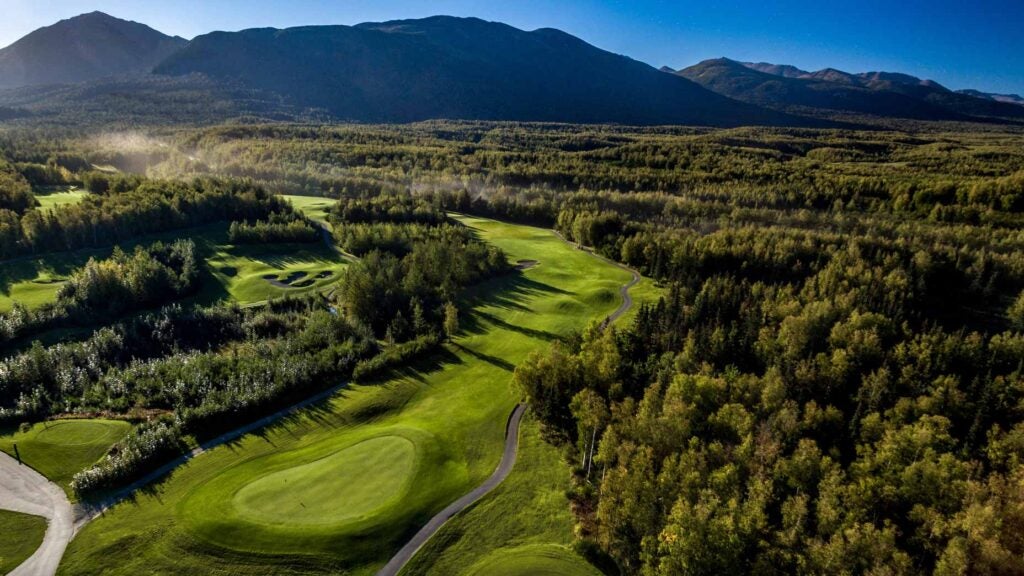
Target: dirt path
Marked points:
508	460
22	489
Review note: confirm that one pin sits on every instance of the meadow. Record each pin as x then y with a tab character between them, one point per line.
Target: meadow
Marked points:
342	485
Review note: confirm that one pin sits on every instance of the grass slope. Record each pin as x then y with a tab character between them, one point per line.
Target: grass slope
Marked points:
20	535
61	448
452	409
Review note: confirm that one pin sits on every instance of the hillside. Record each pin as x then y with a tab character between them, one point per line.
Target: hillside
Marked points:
932	100
82	48
461	68
789	92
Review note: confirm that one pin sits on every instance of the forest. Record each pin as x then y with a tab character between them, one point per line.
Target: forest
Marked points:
832	382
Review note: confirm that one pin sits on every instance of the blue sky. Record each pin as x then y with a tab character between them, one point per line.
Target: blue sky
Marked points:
962	44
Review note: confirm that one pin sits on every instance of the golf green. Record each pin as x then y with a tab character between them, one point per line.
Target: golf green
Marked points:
60	449
348	484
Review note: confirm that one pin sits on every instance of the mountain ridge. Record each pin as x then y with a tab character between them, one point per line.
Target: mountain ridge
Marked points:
83	48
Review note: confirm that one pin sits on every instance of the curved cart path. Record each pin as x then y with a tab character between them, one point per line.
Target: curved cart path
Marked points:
22	489
508	458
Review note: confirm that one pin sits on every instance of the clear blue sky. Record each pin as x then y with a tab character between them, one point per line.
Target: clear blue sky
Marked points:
962	44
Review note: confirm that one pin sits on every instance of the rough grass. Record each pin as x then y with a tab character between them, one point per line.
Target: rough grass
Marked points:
59	449
536	560
453	408
20	535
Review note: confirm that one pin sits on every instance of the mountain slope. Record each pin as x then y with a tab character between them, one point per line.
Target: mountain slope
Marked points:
465	68
83	48
935	100
1006	98
827	90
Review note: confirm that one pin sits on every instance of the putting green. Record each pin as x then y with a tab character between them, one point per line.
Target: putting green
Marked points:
532	561
62	448
348	484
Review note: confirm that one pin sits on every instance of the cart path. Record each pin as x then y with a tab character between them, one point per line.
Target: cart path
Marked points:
22	489
508	458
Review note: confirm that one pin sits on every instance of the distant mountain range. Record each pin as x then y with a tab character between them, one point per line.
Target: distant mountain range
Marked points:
442	67
83	48
886	94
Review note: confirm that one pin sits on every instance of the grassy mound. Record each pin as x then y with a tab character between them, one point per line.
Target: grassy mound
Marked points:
452	407
60	449
533	561
20	535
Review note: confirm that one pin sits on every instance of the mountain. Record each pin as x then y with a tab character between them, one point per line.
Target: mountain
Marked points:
790	88
456	68
886	94
83	48
1006	98
783	70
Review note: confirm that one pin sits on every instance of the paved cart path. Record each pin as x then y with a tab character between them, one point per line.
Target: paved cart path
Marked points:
22	489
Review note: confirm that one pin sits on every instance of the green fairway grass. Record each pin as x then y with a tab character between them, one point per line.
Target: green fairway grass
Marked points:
314	207
537	560
205	518
20	535
243	271
535	527
59	449
235	272
51	197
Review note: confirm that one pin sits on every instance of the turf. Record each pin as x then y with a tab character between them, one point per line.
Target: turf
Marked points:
452	408
59	449
233	272
535	521
242	271
538	560
20	535
314	207
51	197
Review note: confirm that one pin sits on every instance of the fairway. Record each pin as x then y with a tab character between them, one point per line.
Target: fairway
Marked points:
208	516
20	535
59	449
258	272
314	207
541	560
51	197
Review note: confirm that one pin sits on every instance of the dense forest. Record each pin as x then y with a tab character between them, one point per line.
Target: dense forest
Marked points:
831	384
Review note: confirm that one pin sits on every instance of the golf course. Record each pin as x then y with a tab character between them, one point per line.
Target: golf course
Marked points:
20	535
343	484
